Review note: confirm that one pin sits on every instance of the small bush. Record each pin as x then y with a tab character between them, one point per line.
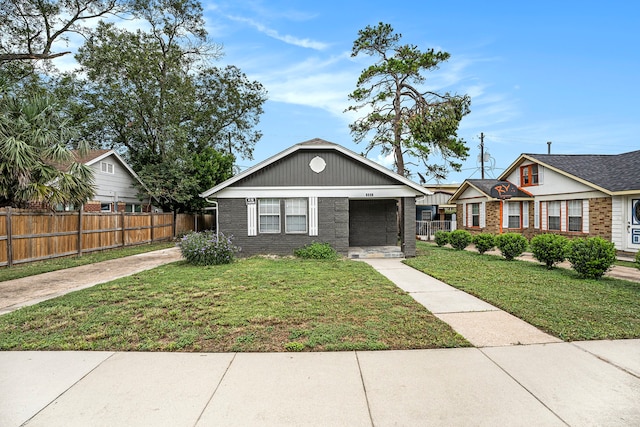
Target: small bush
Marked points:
484	242
511	245
591	257
316	250
205	248
294	346
549	249
460	239
638	260
441	237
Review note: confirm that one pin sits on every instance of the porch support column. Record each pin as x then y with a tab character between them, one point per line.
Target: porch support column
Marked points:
408	232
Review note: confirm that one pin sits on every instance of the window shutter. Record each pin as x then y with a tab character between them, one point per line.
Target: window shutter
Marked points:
252	219
464	215
525	214
540	175
483	215
543	216
313	216
505	214
536	215
585	216
563	216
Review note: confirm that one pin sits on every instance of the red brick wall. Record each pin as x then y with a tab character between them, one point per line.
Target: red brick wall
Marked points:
600	217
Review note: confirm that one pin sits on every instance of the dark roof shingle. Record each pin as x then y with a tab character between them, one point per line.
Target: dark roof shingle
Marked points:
613	172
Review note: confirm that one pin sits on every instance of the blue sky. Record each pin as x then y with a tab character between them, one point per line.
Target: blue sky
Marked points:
536	71
560	71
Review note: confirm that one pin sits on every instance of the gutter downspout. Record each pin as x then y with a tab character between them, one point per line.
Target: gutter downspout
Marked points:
215	208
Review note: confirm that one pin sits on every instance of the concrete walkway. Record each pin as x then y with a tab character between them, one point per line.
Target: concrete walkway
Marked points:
543	383
482	324
18	293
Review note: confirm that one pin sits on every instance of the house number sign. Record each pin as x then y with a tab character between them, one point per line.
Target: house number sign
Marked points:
251	200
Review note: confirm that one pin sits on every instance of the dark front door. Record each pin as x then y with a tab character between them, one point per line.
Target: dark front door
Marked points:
373	223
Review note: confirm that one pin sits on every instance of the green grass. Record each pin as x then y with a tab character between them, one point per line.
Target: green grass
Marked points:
254	304
39	267
556	301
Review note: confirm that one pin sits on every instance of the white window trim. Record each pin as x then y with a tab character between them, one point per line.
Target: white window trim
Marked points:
107	167
279	217
287	215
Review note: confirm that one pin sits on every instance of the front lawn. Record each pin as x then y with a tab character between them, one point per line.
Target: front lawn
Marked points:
555	301
254	304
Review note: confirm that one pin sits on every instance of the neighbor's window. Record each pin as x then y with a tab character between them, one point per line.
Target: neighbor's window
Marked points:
553	214
295	215
269	213
475	214
514	213
528	175
133	207
106	167
105	207
575	215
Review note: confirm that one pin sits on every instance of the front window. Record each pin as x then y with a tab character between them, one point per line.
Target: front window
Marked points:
295	211
575	215
553	214
475	214
269	213
514	214
529	175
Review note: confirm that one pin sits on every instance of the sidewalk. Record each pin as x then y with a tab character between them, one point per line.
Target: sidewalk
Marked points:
545	382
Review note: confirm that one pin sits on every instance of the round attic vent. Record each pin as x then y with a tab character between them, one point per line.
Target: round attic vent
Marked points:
317	164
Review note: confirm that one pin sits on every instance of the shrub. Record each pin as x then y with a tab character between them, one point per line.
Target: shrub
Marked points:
460	239
205	248
549	248
316	250
638	260
511	245
441	237
294	346
591	257
484	242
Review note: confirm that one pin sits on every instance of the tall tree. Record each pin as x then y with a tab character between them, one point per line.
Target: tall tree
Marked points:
30	28
36	160
155	95
403	118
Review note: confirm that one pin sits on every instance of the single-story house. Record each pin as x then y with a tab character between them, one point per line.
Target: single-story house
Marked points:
573	195
316	191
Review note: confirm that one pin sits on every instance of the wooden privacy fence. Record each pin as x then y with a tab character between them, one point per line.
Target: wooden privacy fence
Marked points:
194	222
32	236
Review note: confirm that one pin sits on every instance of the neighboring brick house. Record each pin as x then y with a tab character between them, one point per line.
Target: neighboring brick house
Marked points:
114	181
573	195
316	191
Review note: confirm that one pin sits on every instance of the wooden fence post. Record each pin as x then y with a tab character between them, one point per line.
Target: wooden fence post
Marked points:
80	230
123	228
9	245
152	226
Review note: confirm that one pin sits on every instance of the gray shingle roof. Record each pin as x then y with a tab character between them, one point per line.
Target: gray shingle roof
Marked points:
485	185
613	172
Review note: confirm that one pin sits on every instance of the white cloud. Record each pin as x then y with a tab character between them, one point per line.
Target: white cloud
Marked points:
292	40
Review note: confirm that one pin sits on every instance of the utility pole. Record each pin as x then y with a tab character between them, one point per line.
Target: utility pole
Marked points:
482	155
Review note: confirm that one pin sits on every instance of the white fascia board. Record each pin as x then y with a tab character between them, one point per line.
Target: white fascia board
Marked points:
360	192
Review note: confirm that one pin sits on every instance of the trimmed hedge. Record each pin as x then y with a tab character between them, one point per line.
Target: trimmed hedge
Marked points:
549	249
591	257
511	245
460	239
484	242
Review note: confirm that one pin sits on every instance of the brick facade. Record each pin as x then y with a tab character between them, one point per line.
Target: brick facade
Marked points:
600	217
600	220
